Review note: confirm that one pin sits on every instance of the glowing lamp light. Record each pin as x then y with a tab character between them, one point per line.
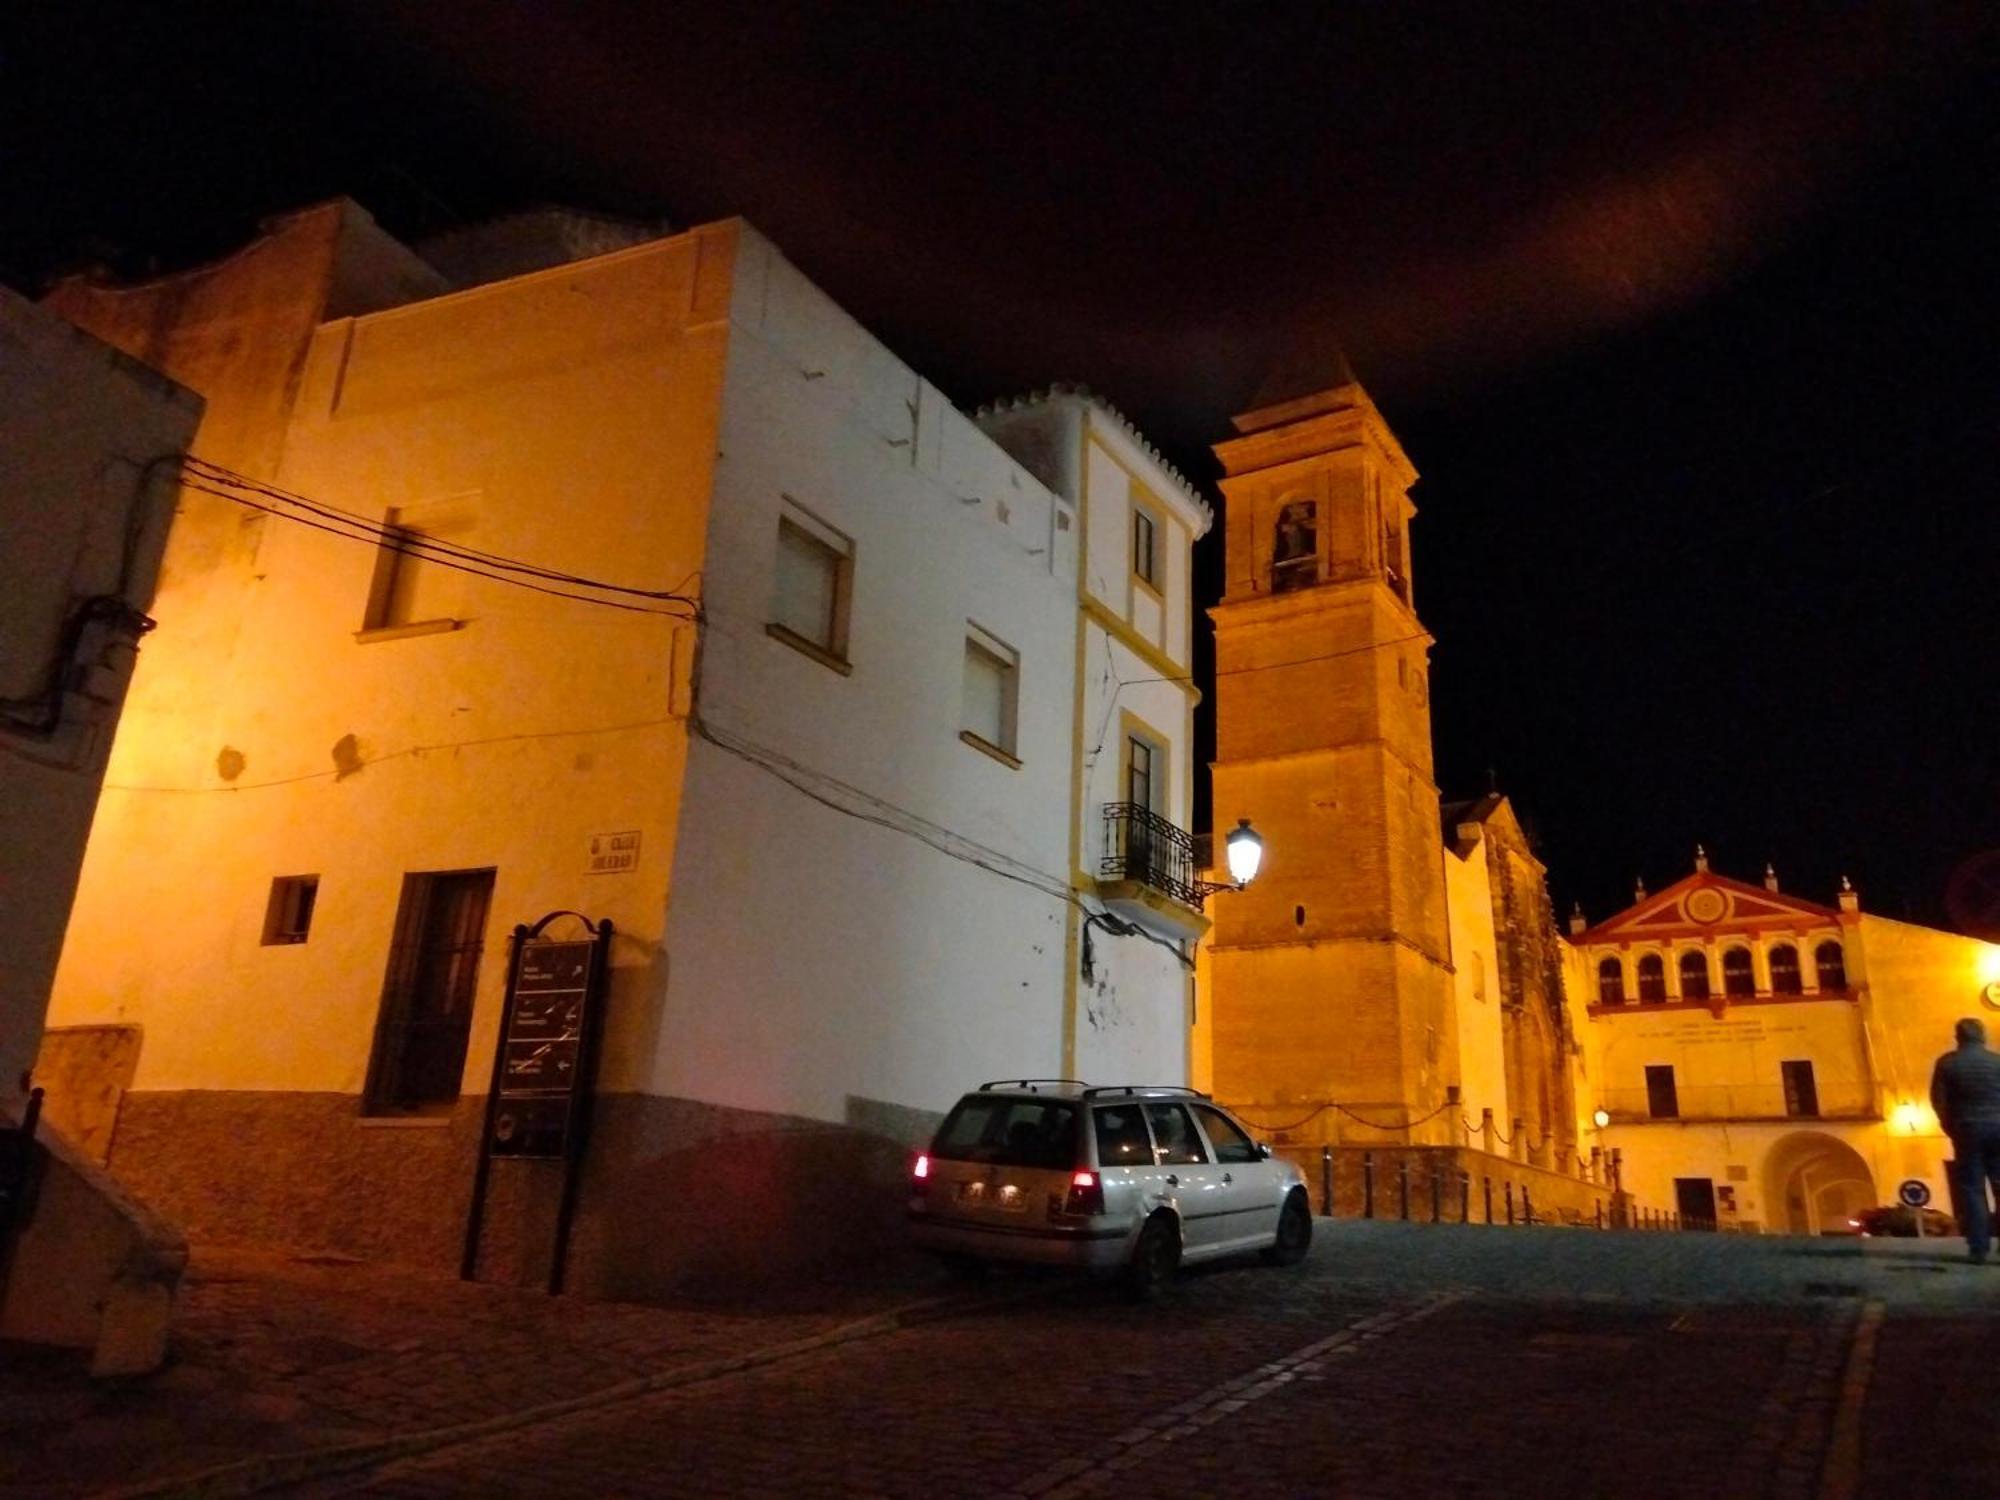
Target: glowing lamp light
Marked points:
1989	965
1245	849
1601	1118
1909	1117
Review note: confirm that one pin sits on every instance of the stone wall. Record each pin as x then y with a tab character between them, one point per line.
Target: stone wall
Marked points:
675	1198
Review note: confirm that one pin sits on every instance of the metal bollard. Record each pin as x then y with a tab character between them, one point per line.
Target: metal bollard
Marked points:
1597	1214
1510	1203
1326	1181
1403	1186
1486	1190
1368	1184
1437	1192
1527	1206
1464	1197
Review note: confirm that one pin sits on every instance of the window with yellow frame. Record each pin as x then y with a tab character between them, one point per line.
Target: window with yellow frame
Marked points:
1146	527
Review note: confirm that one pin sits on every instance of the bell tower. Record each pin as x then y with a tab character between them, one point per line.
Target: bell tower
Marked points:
1331	975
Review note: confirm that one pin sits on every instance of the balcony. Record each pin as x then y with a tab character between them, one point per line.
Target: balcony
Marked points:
1829	1099
1149	874
1631	1006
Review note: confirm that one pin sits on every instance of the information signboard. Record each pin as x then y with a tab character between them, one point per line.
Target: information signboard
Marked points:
544	1068
541	1049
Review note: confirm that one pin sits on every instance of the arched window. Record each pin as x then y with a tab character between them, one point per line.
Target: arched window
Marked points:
1295	547
1610	982
1737	977
1831	961
1652	978
1784	970
1694	975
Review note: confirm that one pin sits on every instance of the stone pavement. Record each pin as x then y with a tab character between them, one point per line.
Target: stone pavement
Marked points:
1399	1360
278	1354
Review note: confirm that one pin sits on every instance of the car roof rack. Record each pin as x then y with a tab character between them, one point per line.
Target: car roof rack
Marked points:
1029	1083
1135	1090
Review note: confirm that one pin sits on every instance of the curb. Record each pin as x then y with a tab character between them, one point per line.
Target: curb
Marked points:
250	1476
1840	1477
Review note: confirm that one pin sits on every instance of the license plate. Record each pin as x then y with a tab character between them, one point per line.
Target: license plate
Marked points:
1005	1196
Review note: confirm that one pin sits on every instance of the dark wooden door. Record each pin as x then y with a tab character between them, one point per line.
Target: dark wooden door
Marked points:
1695	1198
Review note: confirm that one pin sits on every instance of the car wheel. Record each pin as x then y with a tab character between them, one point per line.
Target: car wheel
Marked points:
1154	1259
1295	1233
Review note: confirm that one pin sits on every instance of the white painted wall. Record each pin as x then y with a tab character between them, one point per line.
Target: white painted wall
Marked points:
815	958
1475	946
572	412
81	434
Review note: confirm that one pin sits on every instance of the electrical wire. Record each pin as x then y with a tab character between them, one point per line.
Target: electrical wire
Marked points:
406	752
895	819
224	484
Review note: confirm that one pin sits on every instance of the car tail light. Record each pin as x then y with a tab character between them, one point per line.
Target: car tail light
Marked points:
920	1177
1086	1194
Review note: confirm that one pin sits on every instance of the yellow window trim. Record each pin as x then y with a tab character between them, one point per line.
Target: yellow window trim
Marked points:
1130	727
1122	632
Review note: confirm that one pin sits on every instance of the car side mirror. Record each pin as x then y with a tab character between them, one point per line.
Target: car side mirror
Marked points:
1263	1151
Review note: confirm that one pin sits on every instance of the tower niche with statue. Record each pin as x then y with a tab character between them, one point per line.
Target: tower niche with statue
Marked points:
1331	981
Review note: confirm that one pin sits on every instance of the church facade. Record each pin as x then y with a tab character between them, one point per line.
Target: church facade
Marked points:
1761	1061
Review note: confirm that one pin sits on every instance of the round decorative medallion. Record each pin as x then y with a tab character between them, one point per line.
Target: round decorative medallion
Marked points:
1992	994
1706	905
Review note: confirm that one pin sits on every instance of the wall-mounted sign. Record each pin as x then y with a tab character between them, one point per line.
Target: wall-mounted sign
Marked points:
613	853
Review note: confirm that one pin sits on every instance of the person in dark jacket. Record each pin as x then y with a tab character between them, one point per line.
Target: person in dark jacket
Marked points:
1965	1092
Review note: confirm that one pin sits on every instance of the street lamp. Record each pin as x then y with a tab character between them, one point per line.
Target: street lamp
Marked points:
1601	1118
1243	848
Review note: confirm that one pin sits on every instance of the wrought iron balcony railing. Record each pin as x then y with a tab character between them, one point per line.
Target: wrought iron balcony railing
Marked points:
1142	846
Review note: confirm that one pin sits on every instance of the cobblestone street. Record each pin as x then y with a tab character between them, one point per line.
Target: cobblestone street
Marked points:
1400	1360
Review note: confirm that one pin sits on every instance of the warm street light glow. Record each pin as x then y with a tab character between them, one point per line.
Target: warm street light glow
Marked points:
1601	1118
1245	851
1909	1117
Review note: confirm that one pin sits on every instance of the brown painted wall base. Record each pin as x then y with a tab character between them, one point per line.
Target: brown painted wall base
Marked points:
676	1197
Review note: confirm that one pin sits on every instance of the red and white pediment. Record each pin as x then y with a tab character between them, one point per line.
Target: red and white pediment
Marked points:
1708	903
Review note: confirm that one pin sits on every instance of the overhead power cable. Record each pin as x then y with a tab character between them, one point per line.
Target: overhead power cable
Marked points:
213	479
851	801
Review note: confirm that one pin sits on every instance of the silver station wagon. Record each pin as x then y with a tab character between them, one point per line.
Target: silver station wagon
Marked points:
1128	1179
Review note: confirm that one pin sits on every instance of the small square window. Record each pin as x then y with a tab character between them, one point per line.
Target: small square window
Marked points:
812	582
288	916
992	695
414	585
1145	545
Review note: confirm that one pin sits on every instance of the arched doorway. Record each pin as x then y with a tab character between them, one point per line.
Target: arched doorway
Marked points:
1814	1182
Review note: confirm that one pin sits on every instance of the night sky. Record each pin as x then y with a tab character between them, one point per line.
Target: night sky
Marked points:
1685	313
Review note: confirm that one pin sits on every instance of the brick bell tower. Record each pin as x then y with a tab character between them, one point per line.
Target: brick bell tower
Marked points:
1331	977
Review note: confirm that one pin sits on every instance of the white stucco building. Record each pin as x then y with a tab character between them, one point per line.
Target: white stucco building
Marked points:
89	443
846	678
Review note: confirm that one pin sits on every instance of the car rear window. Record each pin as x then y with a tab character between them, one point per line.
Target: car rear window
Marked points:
1009	1132
1121	1137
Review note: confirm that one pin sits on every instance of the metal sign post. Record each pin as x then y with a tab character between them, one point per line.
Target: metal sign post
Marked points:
544	1069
